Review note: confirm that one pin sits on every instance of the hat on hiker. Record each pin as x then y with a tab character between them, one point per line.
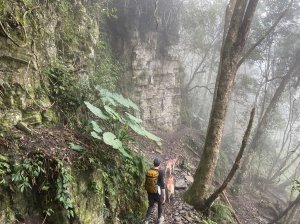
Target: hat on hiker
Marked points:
156	162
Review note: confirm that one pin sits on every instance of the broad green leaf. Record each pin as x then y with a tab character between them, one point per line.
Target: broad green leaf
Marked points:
76	147
133	118
95	135
108	101
152	136
137	128
110	139
95	110
142	131
96	127
113	113
116	97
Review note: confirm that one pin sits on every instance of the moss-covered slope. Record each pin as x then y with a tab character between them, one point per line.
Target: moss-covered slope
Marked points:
44	177
52	54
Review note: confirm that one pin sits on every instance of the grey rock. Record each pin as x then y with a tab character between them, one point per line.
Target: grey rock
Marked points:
180	184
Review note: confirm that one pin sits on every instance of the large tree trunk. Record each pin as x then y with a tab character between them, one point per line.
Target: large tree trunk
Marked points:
235	166
230	54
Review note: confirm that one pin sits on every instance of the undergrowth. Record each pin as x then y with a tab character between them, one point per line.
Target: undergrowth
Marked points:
221	214
41	175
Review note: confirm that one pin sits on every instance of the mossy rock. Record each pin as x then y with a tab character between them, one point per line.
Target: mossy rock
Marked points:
48	116
89	198
32	118
9	118
6	213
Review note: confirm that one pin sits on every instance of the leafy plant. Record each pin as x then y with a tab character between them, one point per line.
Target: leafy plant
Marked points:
63	184
76	147
63	91
114	119
296	185
26	173
4	169
48	175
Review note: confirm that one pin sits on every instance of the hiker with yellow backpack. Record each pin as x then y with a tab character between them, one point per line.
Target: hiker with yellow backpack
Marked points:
155	188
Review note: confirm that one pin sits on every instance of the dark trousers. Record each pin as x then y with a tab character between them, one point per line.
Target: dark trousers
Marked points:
152	199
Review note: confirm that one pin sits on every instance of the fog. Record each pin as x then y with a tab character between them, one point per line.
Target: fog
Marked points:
268	80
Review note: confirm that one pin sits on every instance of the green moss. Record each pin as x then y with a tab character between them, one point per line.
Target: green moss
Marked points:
89	205
32	118
9	118
48	116
28	3
101	194
221	213
3	4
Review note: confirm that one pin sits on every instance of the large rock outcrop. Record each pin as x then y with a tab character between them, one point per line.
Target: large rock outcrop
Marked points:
143	34
49	49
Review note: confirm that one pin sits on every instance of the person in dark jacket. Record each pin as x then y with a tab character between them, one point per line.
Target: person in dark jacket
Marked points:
158	197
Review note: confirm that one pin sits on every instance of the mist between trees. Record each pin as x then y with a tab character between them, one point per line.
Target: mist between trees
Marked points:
263	66
78	78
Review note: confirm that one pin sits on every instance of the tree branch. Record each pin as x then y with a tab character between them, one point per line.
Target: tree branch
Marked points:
197	86
245	25
297	200
263	37
201	62
8	36
235	166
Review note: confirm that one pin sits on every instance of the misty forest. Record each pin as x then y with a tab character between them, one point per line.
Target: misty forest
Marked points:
93	92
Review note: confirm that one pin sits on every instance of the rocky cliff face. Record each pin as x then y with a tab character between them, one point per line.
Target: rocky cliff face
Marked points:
51	54
48	49
144	33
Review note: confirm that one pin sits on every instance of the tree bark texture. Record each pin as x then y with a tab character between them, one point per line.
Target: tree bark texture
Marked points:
234	168
231	52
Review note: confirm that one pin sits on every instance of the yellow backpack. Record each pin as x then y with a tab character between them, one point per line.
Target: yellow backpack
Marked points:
151	181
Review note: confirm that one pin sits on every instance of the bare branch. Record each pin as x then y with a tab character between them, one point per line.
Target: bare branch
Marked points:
205	87
207	51
235	166
263	37
295	202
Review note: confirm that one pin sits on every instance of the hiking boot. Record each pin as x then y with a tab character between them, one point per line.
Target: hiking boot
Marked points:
161	220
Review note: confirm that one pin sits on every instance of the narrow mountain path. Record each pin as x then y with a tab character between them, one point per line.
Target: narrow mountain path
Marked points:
187	142
176	211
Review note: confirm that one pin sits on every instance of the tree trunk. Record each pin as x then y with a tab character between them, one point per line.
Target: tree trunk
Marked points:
234	168
231	52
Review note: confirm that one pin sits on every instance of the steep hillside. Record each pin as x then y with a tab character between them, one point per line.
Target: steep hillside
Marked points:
53	54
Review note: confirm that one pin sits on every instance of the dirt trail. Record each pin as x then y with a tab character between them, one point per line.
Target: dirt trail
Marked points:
247	207
177	211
